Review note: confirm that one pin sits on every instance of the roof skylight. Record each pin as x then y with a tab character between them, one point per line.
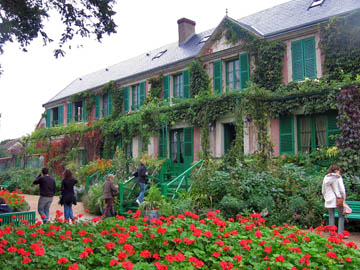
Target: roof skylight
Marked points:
204	39
316	3
159	54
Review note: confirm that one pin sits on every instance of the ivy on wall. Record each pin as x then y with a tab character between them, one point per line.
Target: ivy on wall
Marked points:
340	43
87	96
266	97
268	55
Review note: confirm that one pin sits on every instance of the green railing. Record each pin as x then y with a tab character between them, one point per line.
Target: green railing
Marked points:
96	177
128	192
181	182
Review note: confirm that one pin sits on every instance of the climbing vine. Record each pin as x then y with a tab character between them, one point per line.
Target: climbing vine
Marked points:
348	141
268	55
340	43
87	96
199	79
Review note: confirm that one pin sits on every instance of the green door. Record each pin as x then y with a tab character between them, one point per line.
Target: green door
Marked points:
181	149
229	136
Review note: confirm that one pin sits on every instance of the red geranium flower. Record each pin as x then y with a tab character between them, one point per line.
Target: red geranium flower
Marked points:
62	260
26	260
110	245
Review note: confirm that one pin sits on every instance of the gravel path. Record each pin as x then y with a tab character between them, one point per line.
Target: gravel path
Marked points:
32	200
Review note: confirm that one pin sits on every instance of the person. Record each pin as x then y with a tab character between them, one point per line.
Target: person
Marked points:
4	208
141	179
67	194
109	192
332	188
47	192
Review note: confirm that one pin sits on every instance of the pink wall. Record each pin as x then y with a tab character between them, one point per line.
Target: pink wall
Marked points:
285	69
197	146
65	113
275	136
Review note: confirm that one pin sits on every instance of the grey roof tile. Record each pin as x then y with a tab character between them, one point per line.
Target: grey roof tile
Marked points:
273	21
136	65
295	14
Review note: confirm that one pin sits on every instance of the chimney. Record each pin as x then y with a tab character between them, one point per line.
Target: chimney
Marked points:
186	30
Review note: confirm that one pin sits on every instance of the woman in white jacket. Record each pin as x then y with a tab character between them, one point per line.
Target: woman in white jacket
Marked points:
332	188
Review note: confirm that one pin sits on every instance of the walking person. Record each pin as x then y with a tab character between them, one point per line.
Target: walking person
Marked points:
142	180
333	191
109	193
47	192
68	194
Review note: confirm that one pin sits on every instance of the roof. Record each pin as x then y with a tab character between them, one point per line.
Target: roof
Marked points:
270	22
137	65
296	14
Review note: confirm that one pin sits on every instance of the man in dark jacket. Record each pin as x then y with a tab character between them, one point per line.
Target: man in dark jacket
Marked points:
109	192
141	178
4	208
47	192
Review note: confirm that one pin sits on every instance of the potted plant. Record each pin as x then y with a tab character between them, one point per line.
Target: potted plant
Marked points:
152	202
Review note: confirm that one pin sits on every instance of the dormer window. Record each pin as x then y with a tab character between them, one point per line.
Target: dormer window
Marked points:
316	3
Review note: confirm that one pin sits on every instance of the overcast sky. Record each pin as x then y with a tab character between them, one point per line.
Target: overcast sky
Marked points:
31	78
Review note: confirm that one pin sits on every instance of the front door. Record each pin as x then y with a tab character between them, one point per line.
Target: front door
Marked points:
181	149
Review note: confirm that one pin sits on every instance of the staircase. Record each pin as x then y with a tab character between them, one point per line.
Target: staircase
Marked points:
168	182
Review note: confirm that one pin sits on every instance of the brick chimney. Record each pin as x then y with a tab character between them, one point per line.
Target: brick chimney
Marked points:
186	30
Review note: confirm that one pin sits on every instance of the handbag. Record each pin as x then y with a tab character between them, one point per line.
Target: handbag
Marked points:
339	202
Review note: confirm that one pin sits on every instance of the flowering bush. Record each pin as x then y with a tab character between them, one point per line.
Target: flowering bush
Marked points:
182	242
14	199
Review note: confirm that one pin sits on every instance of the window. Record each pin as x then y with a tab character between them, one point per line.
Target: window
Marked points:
78	111
181	85
135	97
55	117
233	74
316	131
178	85
159	54
303	59
204	39
138	96
229	136
316	3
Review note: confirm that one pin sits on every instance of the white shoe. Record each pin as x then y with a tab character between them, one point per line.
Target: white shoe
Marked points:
138	202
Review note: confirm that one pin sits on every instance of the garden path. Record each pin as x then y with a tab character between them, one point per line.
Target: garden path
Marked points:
32	200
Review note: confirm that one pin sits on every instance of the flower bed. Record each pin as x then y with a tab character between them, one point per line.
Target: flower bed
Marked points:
182	242
14	199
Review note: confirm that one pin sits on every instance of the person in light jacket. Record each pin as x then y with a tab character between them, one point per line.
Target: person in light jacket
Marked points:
109	193
332	188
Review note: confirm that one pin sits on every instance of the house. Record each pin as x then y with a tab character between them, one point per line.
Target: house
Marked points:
230	68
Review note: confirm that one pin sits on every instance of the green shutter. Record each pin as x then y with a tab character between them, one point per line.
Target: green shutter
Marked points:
217	77
119	143
297	60
48	117
287	135
166	88
226	139
69	112
142	93
85	114
97	107
331	129
188	145
163	142
244	70
186	83
126	99
61	114
109	106
309	57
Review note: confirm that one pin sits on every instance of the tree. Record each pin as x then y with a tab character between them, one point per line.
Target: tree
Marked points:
23	20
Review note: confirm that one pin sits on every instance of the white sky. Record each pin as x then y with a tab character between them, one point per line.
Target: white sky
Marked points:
30	79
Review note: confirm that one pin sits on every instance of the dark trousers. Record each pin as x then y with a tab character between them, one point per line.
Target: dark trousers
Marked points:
109	207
